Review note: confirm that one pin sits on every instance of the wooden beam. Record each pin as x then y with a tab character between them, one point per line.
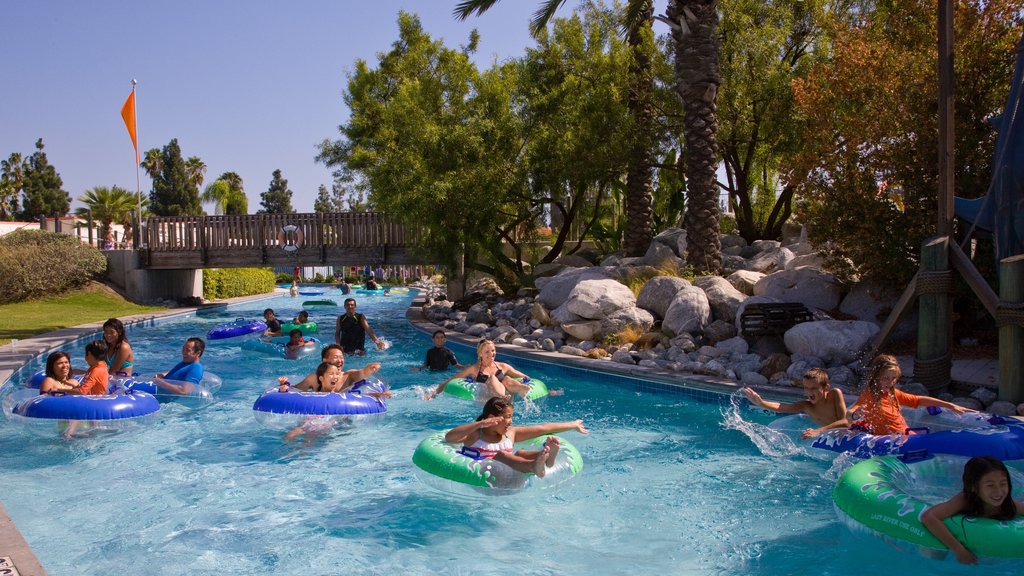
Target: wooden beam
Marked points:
897	313
974	279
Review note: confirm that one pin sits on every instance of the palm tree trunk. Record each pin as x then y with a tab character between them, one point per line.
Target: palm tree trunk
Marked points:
638	178
695	32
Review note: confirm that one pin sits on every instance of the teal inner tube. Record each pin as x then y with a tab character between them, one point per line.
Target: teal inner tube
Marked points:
446	468
469	389
322	302
886	496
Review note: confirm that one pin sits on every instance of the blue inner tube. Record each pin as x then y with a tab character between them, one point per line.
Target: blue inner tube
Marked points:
239	327
368	291
311	292
322	403
1000	437
106	407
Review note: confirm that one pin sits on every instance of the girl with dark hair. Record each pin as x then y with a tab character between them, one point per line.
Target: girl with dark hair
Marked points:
119	355
986	494
493	436
58	375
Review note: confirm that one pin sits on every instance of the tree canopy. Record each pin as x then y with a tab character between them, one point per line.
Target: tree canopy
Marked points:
175	190
42	187
278	198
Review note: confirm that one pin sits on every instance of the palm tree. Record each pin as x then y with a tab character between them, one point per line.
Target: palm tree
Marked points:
107	205
11	182
694	25
196	169
153	162
218	193
639	203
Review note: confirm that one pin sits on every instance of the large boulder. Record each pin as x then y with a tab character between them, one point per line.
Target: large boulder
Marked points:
638	318
661	256
583	329
724	298
744	280
658	292
835	341
873	303
689	311
769	260
597	299
674	238
809	286
554	291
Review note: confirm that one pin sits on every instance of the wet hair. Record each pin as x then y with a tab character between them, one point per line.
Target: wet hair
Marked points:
436	332
51	361
97	349
294	332
269	311
347	300
303	314
816	375
119	328
974	469
327	349
880	365
320	371
198	346
495	407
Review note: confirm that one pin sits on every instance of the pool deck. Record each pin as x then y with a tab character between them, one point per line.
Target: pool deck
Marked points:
983	372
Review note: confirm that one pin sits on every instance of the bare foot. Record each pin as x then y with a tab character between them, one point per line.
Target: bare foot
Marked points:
551	445
556	392
538	464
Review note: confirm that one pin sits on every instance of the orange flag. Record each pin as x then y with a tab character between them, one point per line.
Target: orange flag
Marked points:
128	113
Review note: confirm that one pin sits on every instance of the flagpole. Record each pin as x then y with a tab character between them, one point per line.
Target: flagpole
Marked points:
138	181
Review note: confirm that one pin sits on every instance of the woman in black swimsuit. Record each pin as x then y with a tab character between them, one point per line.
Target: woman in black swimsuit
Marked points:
498	378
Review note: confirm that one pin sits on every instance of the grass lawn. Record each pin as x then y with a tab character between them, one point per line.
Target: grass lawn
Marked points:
89	304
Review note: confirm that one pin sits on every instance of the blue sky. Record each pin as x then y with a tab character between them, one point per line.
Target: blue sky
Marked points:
247	86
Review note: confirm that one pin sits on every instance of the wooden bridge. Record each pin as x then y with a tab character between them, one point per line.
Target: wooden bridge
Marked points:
340	239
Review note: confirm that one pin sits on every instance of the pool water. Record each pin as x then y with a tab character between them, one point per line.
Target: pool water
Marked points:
666	488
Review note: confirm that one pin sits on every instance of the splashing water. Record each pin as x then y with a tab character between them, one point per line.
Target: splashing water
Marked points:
385	344
770	442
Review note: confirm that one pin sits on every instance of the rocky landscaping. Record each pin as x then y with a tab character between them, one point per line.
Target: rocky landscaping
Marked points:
641	311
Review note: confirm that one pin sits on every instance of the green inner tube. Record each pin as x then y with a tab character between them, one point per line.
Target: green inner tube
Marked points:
324	302
467	389
307	328
444	460
874	494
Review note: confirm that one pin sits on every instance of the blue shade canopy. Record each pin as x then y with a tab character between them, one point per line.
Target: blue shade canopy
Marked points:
1001	212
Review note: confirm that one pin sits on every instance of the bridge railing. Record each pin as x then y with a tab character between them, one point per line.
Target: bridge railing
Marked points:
258	239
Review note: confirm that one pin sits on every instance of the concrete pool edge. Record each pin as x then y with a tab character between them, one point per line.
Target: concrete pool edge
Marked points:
14	357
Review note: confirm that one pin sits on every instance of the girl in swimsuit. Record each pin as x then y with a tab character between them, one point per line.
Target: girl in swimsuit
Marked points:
498	378
492	435
58	375
119	352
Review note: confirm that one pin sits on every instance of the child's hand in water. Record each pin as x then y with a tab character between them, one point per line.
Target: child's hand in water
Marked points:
753	396
810	433
580	428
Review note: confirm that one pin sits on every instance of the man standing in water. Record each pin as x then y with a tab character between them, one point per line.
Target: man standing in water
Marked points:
352	329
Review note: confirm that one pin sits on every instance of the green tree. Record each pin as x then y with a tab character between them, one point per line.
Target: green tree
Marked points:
153	162
11	184
869	165
218	193
196	169
227	195
174	190
42	186
107	206
325	202
278	198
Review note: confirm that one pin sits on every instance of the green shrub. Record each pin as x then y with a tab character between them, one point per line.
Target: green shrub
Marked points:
283	278
231	282
37	263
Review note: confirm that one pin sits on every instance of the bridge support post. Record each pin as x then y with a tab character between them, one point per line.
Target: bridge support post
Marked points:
1011	334
935	312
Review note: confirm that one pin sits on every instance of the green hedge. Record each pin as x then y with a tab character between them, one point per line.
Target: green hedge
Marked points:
231	282
36	263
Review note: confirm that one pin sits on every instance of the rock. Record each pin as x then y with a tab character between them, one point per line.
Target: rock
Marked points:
583	329
774	364
571	350
744	280
1020	409
837	341
753	379
984	395
597	353
769	260
805	261
719	330
813	288
1002	408
527	292
971	403
649	364
648	340
688	312
674	238
520	342
554	291
661	256
623	357
723	297
548	269
562	315
733	240
873	303
684	341
841	377
573	261
477	329
768	344
597	299
637	318
586	345
657	294
548	344
735	345
479	313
